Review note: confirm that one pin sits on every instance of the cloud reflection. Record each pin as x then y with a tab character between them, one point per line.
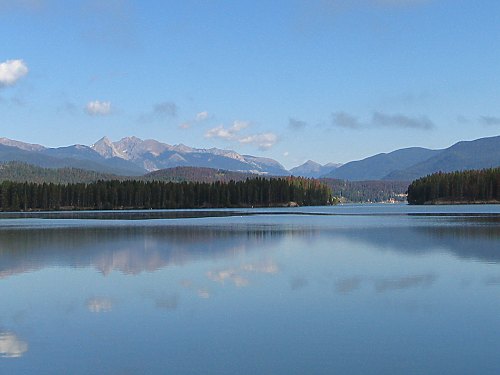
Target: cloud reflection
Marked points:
12	346
238	275
203	293
228	274
99	305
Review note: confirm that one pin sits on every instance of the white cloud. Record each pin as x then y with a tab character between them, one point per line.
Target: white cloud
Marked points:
240	125
228	134
11	346
202	116
220	132
98	108
11	71
263	141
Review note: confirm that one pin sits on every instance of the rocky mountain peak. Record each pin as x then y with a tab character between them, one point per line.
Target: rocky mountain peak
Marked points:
107	149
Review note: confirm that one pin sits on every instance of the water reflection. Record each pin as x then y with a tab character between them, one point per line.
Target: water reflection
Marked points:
301	294
423	281
239	276
130	250
462	239
99	304
348	285
12	346
136	249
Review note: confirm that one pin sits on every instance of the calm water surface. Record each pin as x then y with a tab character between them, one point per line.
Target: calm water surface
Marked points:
382	289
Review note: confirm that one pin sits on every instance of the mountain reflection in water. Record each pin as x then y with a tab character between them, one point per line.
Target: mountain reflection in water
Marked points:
130	250
135	249
286	293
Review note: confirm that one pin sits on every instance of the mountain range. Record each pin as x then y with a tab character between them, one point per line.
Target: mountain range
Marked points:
411	163
314	170
132	156
152	155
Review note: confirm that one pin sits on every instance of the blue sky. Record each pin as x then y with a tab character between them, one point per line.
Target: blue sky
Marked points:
327	80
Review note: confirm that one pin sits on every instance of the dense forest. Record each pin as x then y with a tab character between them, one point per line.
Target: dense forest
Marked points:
474	186
347	191
16	171
367	191
114	194
197	174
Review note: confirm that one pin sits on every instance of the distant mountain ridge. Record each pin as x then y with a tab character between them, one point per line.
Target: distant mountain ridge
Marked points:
411	163
132	156
477	154
314	170
379	166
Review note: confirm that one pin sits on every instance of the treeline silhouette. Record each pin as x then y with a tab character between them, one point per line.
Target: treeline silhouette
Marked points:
457	187
131	194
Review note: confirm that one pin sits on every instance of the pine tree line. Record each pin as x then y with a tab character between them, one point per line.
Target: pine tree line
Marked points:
457	187
367	191
258	192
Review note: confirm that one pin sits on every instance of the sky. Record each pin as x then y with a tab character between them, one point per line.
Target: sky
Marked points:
293	80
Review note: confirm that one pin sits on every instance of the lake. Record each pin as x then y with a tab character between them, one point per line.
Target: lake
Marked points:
353	289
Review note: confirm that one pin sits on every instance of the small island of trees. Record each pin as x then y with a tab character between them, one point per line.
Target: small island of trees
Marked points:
473	186
133	194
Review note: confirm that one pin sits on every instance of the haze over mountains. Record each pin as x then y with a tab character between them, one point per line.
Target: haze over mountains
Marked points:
132	156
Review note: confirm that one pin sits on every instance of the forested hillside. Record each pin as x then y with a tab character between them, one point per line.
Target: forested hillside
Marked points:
349	191
367	191
116	194
196	174
474	186
22	172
